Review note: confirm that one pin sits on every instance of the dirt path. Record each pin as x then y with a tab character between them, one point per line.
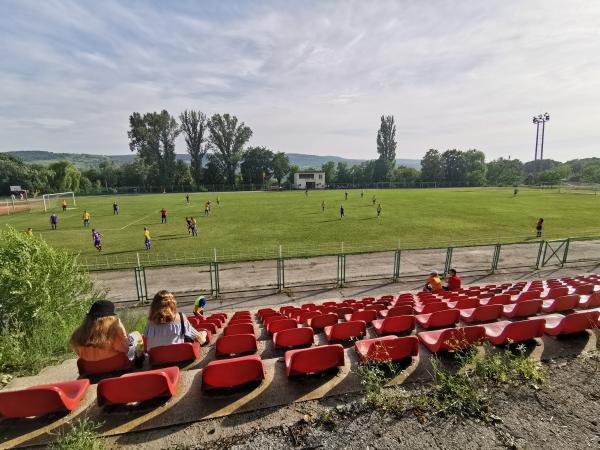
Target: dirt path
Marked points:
564	413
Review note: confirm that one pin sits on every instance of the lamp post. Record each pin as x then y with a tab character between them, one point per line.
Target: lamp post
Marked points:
542	118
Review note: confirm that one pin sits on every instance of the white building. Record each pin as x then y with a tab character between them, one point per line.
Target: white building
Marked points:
309	180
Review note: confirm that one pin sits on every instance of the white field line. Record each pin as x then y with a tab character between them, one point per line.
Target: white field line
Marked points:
135	221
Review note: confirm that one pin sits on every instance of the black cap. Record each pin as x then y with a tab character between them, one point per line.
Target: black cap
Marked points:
102	308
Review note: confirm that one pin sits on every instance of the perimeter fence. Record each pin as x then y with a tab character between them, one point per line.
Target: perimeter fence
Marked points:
277	269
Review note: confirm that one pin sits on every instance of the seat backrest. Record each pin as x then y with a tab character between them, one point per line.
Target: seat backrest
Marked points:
579	321
272	319
457	338
345	329
434	307
366	315
293	337
235	343
174	353
529	295
400	311
305	315
341	312
467	303
528	307
557	292
441	318
242	328
405	322
374	307
525	329
501	299
113	364
279	325
566	302
323	320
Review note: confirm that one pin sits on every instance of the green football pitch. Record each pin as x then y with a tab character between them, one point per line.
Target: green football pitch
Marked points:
255	224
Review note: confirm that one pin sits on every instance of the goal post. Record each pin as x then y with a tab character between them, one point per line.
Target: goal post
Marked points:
59	196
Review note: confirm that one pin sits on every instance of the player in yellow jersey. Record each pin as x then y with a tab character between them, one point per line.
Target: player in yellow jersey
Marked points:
147	238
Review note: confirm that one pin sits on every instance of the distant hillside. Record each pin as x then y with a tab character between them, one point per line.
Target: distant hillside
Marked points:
86	161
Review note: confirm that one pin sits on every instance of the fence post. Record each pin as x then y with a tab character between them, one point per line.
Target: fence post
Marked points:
396	265
141	285
566	253
341	270
214	279
537	263
496	257
448	260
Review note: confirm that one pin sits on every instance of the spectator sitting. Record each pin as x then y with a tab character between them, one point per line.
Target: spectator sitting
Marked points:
433	283
165	325
454	281
102	335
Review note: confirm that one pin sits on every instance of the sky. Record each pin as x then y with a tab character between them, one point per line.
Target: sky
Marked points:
308	77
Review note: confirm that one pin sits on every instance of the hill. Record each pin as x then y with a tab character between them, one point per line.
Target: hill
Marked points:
87	161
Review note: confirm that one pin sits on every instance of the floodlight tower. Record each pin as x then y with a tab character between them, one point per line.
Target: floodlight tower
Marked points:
542	118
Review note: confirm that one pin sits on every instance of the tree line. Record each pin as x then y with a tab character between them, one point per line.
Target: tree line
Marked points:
220	156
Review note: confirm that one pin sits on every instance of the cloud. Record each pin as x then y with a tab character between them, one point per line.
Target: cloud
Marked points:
310	77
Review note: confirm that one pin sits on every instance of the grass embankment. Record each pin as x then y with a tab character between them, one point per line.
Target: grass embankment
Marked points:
253	225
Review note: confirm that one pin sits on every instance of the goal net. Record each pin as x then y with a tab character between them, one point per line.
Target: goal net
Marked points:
54	201
592	189
13	206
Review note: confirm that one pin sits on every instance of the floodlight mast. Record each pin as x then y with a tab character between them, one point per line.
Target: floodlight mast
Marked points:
542	118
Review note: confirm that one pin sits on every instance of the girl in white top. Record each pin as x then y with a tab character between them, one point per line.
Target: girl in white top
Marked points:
165	324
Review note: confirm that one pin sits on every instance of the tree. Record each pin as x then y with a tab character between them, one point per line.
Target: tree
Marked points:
476	168
153	136
329	169
193	126
504	172
109	173
281	166
386	147
406	175
135	173
64	176
432	167
343	173
455	166
256	166
14	172
228	137
215	172
293	169
182	176
591	173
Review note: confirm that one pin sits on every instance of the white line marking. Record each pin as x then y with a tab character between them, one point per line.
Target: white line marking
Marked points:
135	221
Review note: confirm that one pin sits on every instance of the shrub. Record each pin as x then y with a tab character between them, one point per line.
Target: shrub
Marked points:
83	435
44	294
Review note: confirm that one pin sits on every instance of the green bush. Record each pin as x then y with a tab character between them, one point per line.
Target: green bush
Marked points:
83	435
44	294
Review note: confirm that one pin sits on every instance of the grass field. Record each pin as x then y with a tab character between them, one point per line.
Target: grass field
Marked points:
253	225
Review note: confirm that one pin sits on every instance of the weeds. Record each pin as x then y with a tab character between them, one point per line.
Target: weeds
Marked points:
83	435
327	419
462	392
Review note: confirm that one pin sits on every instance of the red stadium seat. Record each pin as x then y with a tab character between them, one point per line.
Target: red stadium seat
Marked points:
214	320
556	292
233	372
439	318
464	304
450	339
314	359
309	307
195	320
236	344
285	309
280	325
174	353
138	386
563	303
242	328
322	321
584	289
591	301
499	333
524	308
374	307
529	295
346	330
238	321
342	311
502	299
293	337
206	326
364	315
262	313
222	316
573	323
396	311
431	307
387	348
116	363
272	319
329	304
394	324
481	314
305	315
41	400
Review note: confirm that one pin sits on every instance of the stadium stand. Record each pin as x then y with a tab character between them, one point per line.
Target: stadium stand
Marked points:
138	387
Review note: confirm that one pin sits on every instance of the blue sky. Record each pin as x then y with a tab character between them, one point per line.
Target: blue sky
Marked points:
308	76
